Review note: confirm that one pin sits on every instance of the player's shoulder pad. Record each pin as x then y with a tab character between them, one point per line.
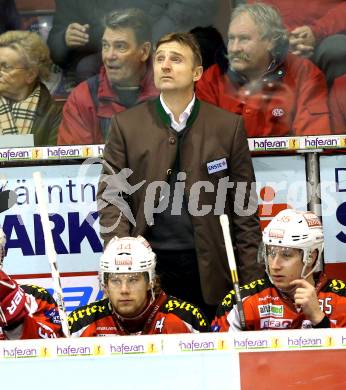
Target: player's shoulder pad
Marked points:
187	312
336	286
246	290
85	315
38	292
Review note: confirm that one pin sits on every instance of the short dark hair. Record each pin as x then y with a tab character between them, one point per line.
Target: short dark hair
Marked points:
185	39
212	46
132	18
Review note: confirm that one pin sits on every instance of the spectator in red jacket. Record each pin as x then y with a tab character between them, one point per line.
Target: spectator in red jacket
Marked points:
337	104
317	30
124	81
278	94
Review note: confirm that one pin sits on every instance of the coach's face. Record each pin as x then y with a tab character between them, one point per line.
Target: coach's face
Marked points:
175	68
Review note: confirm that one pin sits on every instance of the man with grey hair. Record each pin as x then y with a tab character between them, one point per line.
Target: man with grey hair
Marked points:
125	79
317	31
278	93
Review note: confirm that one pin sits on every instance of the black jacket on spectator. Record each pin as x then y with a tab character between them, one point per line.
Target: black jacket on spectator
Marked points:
165	16
9	16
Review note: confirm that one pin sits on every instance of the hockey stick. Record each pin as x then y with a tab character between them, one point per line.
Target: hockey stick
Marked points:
233	267
51	253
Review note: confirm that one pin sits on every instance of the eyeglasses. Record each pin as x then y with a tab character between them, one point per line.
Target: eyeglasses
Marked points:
6	68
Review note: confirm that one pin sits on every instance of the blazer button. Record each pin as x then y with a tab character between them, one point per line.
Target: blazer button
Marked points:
171	140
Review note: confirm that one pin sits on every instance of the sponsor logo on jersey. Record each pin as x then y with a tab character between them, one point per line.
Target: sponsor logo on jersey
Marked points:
173	304
16	301
88	311
274	323
271	310
268	298
106	328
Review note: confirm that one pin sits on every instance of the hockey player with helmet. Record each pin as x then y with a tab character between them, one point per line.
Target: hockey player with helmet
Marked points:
134	302
26	312
295	292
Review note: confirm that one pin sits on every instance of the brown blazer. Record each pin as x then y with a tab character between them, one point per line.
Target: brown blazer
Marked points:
141	139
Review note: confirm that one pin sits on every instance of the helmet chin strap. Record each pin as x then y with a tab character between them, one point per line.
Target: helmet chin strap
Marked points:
307	260
152	298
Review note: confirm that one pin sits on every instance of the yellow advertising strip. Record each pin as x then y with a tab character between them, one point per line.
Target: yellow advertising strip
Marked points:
283	340
297	143
309	143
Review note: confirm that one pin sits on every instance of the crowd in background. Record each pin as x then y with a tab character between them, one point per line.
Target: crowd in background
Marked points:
192	100
297	90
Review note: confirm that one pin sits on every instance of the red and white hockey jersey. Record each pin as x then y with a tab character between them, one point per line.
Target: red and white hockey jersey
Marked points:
266	308
165	315
42	321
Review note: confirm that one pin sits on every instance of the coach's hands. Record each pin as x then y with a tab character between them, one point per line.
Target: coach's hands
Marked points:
12	301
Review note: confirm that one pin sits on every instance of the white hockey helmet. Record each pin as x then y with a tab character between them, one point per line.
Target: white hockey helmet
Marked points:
296	229
128	255
2	246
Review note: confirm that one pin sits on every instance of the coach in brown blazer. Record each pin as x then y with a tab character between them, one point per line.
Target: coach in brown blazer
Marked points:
183	155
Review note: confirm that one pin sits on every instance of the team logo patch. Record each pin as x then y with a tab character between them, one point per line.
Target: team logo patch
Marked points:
215	328
217	165
278	112
53	316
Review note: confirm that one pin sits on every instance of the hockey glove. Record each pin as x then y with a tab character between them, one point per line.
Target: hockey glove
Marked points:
12	301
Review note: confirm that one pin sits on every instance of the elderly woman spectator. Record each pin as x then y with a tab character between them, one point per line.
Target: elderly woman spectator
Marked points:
26	106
